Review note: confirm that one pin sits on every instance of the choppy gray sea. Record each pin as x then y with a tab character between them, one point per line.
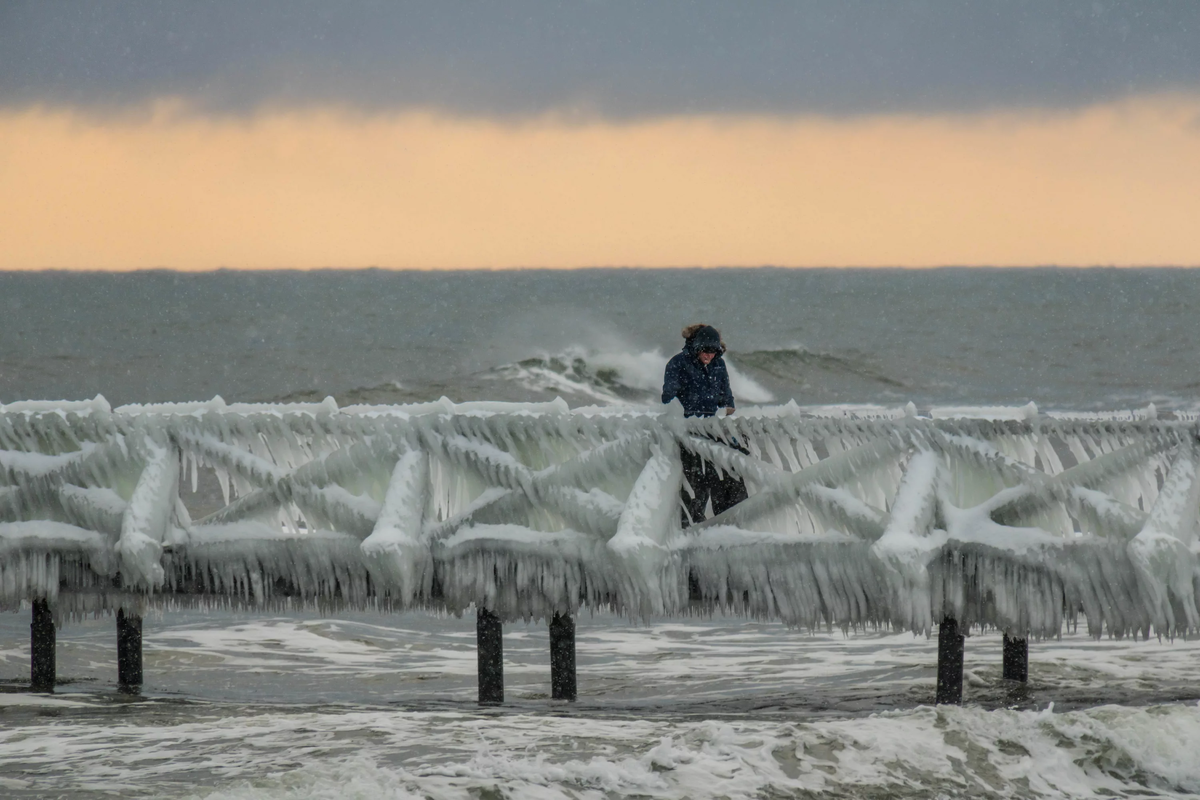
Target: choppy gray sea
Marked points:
1086	339
367	705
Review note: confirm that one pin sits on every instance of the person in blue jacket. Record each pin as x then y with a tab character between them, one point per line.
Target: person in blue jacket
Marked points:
698	378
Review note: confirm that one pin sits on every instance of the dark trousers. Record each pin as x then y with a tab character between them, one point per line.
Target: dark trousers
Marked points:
725	492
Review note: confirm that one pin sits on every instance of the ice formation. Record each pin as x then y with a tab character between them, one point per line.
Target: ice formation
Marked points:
857	516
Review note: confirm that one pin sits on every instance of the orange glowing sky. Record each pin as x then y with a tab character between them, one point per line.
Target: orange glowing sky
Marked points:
534	133
1114	183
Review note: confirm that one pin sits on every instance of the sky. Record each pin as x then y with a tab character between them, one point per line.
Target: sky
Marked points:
538	134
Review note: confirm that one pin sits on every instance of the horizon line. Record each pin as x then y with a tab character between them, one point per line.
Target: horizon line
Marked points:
600	268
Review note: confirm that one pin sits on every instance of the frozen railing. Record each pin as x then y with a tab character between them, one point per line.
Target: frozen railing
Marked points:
856	517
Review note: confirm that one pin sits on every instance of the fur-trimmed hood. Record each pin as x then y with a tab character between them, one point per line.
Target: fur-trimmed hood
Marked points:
701	335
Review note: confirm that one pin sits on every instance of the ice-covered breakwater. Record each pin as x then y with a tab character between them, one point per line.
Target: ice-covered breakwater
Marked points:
856	517
1003	517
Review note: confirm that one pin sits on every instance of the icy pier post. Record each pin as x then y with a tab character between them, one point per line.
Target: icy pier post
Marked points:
490	644
129	652
950	663
42	641
1016	659
562	657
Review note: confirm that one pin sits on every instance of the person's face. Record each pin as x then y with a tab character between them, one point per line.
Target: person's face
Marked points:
706	356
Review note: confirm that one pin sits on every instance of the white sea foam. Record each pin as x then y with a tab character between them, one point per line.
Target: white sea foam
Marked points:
922	752
680	709
616	377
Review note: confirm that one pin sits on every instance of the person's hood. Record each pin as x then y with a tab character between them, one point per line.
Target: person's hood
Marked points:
703	337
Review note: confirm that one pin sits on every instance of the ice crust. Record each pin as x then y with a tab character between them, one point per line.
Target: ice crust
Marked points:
857	517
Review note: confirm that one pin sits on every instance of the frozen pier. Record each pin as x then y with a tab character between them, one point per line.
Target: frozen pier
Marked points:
938	521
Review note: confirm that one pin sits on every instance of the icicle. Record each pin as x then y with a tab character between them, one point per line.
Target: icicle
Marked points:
1162	552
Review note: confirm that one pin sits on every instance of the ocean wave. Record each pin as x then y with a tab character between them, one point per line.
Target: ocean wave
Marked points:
623	377
791	364
577	374
612	378
926	752
629	377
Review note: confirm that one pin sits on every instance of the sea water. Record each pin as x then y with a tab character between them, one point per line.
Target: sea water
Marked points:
371	705
1081	339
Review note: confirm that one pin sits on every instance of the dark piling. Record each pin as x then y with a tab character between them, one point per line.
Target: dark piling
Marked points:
950	663
562	657
1016	659
42	645
129	652
490	643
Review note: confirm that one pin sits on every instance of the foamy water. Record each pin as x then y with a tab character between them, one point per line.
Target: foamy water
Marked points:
383	706
922	752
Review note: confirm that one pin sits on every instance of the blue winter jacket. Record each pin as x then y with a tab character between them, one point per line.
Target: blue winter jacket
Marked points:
702	390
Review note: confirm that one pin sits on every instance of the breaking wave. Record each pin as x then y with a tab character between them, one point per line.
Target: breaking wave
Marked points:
631	377
612	378
636	377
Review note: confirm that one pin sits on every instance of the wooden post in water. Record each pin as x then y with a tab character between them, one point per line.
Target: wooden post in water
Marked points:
129	652
1016	659
950	663
489	641
562	657
42	641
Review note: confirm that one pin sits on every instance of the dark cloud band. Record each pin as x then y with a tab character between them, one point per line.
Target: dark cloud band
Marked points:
619	60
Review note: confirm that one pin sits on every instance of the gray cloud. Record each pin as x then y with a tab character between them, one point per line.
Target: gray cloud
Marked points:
621	60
